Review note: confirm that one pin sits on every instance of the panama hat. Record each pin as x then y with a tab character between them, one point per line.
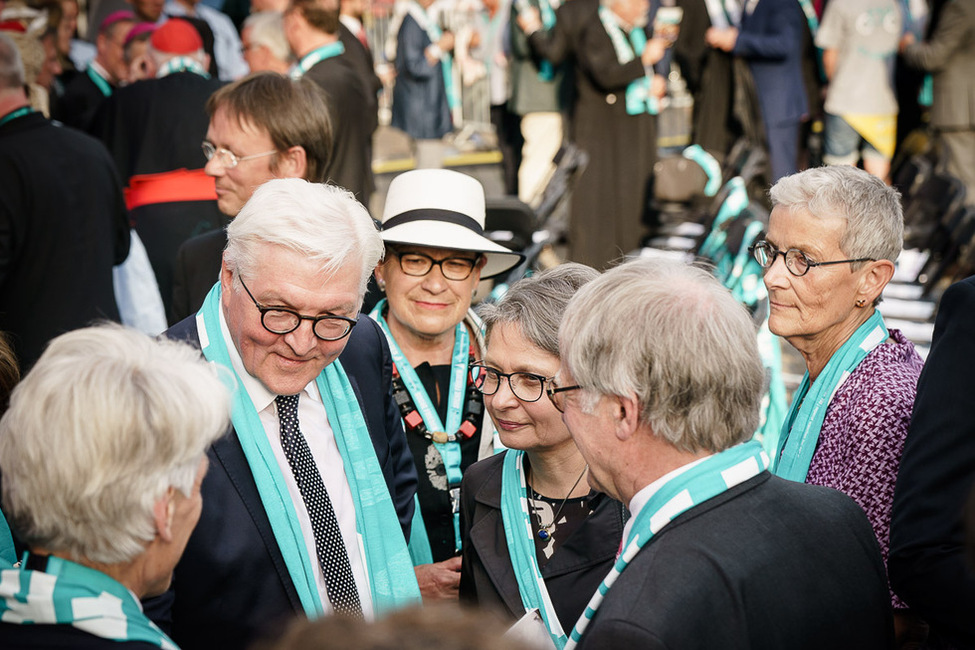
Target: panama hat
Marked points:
440	208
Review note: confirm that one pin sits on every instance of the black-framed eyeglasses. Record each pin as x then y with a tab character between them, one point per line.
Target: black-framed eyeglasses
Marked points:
526	386
227	158
557	393
279	320
453	268
796	261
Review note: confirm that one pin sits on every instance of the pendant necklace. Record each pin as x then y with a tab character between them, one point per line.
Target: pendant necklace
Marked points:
545	530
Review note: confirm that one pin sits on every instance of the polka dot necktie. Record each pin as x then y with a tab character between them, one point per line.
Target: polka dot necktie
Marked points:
332	555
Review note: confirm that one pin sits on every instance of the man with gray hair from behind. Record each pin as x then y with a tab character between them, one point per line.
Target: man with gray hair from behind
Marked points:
660	387
101	482
310	500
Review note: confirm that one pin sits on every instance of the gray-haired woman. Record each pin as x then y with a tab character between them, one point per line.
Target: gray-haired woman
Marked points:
534	534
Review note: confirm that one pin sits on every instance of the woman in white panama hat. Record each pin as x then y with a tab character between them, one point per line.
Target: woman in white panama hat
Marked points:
436	253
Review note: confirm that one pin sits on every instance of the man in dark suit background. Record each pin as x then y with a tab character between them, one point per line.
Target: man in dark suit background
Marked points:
85	92
263	113
770	39
63	223
660	387
313	32
310	497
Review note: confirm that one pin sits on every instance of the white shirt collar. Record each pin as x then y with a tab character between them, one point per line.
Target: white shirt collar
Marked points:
641	498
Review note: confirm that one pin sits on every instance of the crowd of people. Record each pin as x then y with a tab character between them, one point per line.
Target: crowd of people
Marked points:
293	462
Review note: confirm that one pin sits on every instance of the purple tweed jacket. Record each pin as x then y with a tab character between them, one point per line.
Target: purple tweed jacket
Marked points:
860	444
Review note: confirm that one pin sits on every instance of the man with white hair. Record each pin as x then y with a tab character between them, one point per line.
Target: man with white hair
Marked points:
101	482
660	386
310	497
264	44
153	128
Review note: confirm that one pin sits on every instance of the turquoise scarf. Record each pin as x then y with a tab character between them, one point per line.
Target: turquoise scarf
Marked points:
65	593
181	64
706	480
8	555
800	433
101	82
449	452
316	56
638	97
521	546
391	577
13	115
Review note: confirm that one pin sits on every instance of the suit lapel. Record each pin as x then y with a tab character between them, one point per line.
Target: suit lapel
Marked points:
230	455
487	538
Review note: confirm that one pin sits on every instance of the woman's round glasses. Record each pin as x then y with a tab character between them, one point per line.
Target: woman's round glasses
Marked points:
526	386
795	260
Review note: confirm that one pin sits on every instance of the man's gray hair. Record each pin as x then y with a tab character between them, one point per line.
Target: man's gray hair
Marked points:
323	223
103	425
872	209
536	304
672	335
267	29
11	65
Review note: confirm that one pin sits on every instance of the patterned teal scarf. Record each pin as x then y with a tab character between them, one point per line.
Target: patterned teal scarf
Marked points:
521	545
65	593
706	480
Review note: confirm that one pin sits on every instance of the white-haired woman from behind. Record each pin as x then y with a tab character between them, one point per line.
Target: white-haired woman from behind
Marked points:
103	451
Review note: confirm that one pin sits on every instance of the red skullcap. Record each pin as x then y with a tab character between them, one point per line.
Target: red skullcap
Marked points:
176	36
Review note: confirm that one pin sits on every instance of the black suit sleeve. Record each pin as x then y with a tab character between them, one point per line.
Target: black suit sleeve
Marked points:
927	543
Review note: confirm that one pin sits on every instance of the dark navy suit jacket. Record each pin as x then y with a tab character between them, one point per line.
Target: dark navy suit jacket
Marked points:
770	40
231	585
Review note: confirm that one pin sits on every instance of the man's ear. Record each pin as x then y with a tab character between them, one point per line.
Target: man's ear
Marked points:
293	163
162	513
626	415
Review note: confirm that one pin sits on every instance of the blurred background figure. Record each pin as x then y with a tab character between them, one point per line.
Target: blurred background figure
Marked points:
264	44
433	627
424	94
63	223
153	129
859	43
86	91
313	31
105	519
949	55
